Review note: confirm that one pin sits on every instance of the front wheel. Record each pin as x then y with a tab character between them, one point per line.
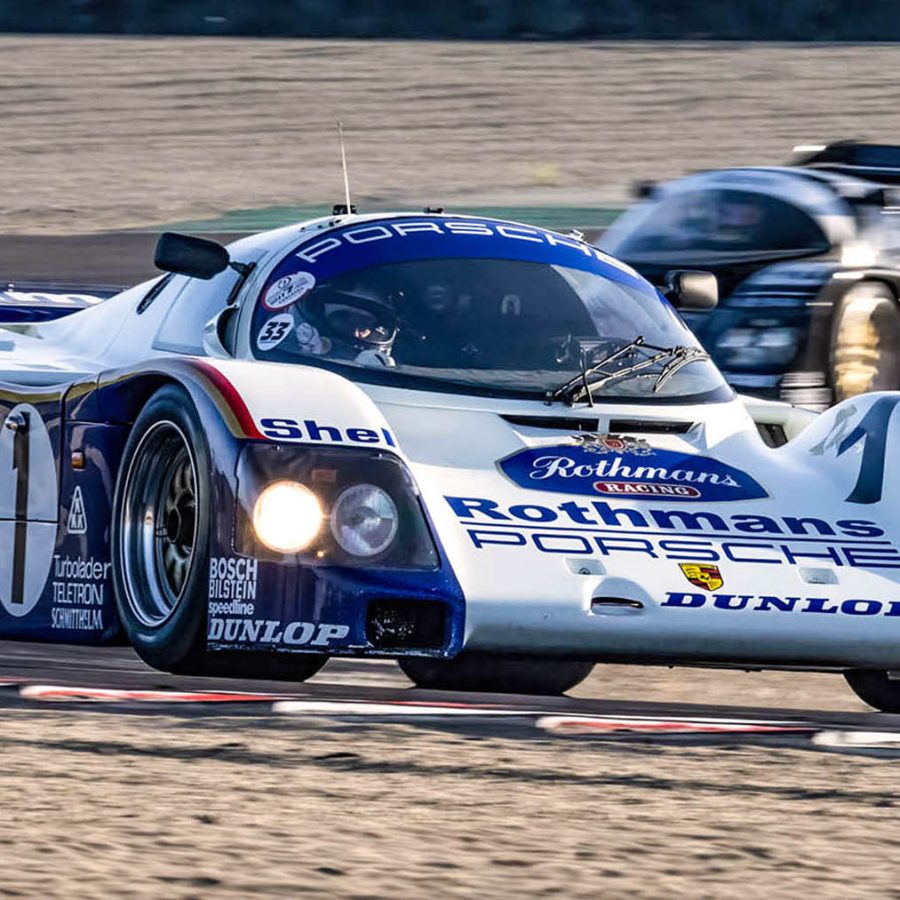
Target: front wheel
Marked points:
481	672
875	688
161	547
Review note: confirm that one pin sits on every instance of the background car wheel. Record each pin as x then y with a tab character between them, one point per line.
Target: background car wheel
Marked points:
495	674
875	688
160	543
865	342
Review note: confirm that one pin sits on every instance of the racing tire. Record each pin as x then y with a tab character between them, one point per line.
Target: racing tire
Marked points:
875	688
484	673
865	342
160	549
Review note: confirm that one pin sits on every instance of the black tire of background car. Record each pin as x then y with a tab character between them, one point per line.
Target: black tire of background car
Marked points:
875	688
865	341
496	674
178	644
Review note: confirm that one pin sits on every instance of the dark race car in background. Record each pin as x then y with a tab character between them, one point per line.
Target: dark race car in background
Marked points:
808	262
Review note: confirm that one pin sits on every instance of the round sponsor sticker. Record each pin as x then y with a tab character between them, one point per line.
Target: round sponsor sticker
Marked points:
274	331
288	290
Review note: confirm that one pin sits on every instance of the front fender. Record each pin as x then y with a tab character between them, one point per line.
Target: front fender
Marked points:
850	445
293	403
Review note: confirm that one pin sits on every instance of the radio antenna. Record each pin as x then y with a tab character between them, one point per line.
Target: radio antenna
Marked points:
340	128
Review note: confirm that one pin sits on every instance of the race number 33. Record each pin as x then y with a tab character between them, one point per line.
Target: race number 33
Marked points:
28	508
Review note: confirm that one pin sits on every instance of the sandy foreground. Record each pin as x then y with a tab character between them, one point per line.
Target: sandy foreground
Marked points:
104	133
105	805
156	806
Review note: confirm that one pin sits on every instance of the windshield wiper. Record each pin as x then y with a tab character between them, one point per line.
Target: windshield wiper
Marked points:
682	356
582	385
564	391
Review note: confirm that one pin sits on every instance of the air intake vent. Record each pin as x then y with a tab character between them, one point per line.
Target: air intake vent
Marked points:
407	624
772	435
648	426
616	426
556	423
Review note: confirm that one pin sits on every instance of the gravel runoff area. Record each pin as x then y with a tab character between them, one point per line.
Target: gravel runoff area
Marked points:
156	806
102	805
107	133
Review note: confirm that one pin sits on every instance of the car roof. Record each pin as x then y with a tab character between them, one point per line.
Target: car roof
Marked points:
819	191
280	240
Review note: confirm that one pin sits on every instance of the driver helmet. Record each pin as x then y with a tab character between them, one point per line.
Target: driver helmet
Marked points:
352	324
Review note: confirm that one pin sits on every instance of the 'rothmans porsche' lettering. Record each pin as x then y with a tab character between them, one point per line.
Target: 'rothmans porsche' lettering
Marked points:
310	430
597	528
599	513
768	603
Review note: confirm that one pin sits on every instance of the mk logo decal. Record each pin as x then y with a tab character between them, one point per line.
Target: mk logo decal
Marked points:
77	522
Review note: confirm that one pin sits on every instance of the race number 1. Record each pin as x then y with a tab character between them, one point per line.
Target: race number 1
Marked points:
18	424
28	509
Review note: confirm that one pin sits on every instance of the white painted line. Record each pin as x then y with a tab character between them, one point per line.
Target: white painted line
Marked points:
857	739
352	708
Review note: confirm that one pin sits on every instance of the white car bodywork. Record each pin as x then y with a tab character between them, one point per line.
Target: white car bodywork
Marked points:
805	576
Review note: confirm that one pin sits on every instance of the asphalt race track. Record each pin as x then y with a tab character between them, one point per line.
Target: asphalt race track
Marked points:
370	682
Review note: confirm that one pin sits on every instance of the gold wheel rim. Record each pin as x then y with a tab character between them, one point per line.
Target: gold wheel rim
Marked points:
858	350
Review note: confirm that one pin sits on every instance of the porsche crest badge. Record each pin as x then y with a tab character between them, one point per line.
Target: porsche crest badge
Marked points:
702	576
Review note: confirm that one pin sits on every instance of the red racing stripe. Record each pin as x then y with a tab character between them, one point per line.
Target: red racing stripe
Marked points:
231	398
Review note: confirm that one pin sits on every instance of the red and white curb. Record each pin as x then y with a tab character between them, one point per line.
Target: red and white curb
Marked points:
607	725
113	695
597	726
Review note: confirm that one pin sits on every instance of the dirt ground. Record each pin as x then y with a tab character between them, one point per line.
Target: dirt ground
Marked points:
112	133
105	805
156	806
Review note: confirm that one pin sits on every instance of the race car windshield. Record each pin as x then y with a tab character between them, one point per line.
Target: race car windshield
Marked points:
476	325
714	225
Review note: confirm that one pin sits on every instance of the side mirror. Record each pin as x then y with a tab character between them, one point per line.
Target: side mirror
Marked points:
686	289
191	256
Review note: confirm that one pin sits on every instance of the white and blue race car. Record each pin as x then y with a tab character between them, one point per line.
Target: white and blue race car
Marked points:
486	449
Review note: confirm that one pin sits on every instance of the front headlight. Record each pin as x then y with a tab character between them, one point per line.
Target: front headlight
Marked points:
287	517
364	520
330	506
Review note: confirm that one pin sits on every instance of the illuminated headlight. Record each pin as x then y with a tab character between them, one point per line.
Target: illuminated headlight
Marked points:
364	520
858	255
287	517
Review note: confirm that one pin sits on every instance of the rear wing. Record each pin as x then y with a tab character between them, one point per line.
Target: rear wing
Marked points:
874	162
41	302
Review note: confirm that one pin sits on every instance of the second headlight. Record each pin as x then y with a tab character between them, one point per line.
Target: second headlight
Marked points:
364	520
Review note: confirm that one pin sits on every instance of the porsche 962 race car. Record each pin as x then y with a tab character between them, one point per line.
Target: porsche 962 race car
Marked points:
486	449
